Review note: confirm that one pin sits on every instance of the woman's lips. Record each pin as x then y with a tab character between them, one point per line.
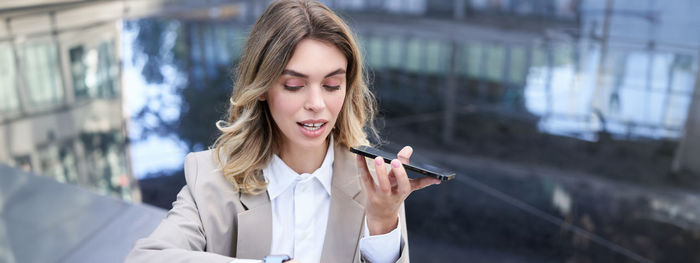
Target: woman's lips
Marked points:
312	130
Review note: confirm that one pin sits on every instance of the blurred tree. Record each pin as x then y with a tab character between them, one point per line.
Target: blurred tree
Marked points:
201	108
150	45
161	44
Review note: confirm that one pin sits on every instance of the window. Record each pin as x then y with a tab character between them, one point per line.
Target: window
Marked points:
41	73
95	71
8	86
77	69
107	70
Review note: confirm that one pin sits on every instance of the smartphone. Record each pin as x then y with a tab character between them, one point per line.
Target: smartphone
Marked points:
422	168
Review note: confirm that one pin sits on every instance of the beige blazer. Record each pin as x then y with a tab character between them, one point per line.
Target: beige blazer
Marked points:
210	222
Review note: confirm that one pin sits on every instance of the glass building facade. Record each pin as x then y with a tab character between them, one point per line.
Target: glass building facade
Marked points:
61	102
572	125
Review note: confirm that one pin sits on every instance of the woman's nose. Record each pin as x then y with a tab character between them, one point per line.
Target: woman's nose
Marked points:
314	99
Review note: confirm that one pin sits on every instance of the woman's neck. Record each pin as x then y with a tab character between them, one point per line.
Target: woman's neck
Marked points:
303	160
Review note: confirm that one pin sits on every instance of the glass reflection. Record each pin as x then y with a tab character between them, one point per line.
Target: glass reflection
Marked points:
42	79
568	118
8	95
60	101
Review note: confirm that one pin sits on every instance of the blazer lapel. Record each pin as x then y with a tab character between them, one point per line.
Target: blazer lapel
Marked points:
254	240
346	215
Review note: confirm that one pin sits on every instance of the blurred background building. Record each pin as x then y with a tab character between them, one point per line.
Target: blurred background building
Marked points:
61	104
572	124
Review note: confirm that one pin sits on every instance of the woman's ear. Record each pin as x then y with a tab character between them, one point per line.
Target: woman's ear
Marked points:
263	97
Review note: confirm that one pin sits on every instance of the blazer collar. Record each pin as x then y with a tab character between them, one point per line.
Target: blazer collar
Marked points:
254	226
347	212
345	217
345	175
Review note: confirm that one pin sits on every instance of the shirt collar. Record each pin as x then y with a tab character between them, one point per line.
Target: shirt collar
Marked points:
279	176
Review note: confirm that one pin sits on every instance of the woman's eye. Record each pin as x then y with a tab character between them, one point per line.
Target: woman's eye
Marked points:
332	84
332	87
292	88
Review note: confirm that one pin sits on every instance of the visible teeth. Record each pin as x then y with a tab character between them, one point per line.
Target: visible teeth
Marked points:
312	126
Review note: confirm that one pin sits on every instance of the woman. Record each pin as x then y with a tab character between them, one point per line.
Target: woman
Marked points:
280	179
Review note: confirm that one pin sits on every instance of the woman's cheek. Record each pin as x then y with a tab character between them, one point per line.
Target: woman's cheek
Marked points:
338	104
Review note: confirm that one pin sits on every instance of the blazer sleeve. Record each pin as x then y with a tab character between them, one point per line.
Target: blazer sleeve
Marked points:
403	254
180	236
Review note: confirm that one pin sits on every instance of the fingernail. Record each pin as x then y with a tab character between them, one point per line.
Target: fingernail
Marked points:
378	160
359	157
395	163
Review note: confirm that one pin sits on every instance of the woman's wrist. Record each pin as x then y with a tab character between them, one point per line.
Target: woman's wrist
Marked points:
381	226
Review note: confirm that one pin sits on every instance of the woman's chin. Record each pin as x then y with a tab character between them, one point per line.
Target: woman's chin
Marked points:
314	142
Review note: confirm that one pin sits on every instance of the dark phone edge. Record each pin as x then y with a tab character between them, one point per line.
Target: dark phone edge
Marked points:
407	166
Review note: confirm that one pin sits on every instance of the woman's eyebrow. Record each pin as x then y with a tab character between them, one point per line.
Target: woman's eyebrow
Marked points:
293	73
336	72
297	74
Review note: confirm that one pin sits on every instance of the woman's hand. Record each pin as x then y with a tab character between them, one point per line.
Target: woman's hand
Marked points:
384	198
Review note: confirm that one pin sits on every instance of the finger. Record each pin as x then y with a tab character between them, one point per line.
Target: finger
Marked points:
392	181
405	154
382	178
364	173
422	182
403	186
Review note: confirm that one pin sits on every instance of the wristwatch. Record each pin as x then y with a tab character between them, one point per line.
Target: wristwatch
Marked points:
276	259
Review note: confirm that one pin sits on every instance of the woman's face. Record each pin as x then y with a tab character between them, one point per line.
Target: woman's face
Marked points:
307	97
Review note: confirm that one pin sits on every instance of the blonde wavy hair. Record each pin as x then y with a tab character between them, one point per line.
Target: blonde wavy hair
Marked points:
249	137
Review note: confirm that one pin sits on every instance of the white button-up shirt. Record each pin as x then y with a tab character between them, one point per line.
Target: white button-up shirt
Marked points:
300	207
